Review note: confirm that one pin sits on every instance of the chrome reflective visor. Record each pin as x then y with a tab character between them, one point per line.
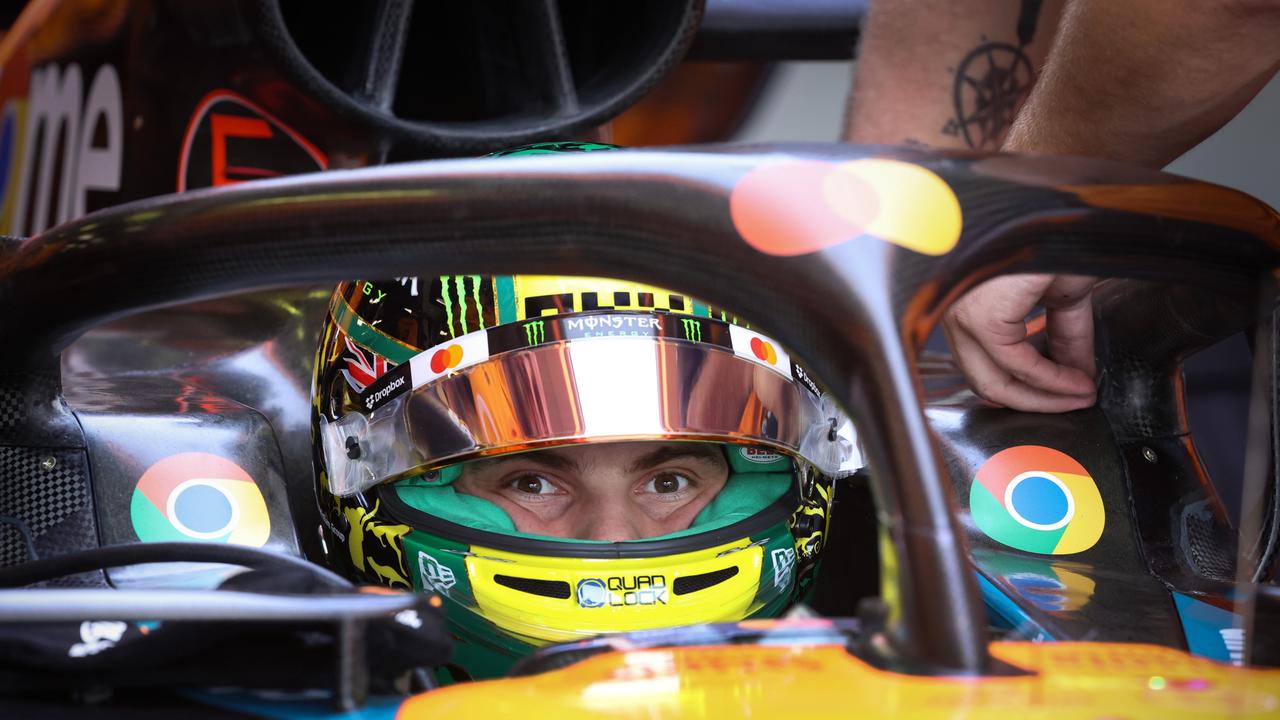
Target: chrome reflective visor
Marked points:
597	377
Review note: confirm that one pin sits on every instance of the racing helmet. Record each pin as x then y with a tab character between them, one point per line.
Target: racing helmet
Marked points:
421	379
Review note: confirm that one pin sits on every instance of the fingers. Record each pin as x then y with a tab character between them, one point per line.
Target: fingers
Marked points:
1069	319
988	337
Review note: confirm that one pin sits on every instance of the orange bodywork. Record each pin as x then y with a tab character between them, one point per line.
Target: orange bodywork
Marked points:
1062	680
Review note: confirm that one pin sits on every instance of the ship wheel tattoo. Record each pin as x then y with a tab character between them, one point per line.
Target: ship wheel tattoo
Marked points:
990	84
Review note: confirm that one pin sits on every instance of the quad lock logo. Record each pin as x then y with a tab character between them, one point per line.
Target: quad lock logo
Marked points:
622	591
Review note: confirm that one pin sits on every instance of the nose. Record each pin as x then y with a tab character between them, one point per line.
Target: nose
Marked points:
612	522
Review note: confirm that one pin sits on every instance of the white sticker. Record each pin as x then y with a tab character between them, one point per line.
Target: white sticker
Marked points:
784	562
96	636
1233	638
759	349
450	356
435	576
409	618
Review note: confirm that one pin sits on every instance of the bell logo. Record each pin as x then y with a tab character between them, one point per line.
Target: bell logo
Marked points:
446	358
759	455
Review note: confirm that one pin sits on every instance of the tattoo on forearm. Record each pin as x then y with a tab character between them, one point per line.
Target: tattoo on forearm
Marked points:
991	82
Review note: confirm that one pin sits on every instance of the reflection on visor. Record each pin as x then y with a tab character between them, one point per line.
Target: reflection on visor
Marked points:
597	377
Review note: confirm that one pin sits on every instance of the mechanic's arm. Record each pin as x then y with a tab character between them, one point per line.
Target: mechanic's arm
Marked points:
945	73
1136	81
1143	81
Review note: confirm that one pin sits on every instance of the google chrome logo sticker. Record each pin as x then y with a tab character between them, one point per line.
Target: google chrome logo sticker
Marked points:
201	497
1037	499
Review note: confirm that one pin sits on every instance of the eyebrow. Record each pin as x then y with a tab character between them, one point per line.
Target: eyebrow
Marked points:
693	451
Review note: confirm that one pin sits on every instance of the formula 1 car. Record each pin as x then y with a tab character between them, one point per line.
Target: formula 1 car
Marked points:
1074	564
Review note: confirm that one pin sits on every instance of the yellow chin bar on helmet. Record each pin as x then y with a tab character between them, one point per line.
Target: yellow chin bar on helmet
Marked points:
542	599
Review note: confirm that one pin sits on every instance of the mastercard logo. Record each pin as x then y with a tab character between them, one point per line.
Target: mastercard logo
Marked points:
446	358
763	349
1037	499
796	207
198	496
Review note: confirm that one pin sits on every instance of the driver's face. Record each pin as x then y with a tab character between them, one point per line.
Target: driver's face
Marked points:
610	491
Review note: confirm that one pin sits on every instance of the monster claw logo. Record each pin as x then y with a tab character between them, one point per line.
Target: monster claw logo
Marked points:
198	496
460	284
1037	499
535	333
692	329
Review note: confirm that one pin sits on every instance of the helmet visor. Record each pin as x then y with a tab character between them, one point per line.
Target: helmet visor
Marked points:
587	377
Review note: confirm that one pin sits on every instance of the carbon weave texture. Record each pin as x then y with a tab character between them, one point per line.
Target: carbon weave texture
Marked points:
13	546
54	504
1206	551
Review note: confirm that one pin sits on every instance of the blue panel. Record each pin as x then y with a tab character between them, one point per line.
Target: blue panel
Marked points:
1211	631
1005	613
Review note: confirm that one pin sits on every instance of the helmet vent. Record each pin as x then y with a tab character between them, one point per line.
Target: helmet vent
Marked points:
558	589
694	583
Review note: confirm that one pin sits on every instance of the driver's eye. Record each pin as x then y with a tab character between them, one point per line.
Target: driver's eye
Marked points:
533	484
666	483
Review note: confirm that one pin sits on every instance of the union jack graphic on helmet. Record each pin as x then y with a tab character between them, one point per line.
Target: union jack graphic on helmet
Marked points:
362	367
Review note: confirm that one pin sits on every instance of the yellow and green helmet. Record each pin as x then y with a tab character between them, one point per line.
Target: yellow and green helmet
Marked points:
421	379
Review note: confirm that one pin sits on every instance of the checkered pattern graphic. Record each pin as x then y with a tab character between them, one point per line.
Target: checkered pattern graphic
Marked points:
42	497
12	544
13	409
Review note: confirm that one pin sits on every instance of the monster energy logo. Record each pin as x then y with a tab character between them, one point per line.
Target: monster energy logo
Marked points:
458	293
535	332
692	329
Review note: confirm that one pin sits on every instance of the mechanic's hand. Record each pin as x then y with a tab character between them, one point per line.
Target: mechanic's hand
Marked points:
987	331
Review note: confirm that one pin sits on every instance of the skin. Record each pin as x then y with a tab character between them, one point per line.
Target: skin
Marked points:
1111	89
609	491
988	334
1139	81
909	50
